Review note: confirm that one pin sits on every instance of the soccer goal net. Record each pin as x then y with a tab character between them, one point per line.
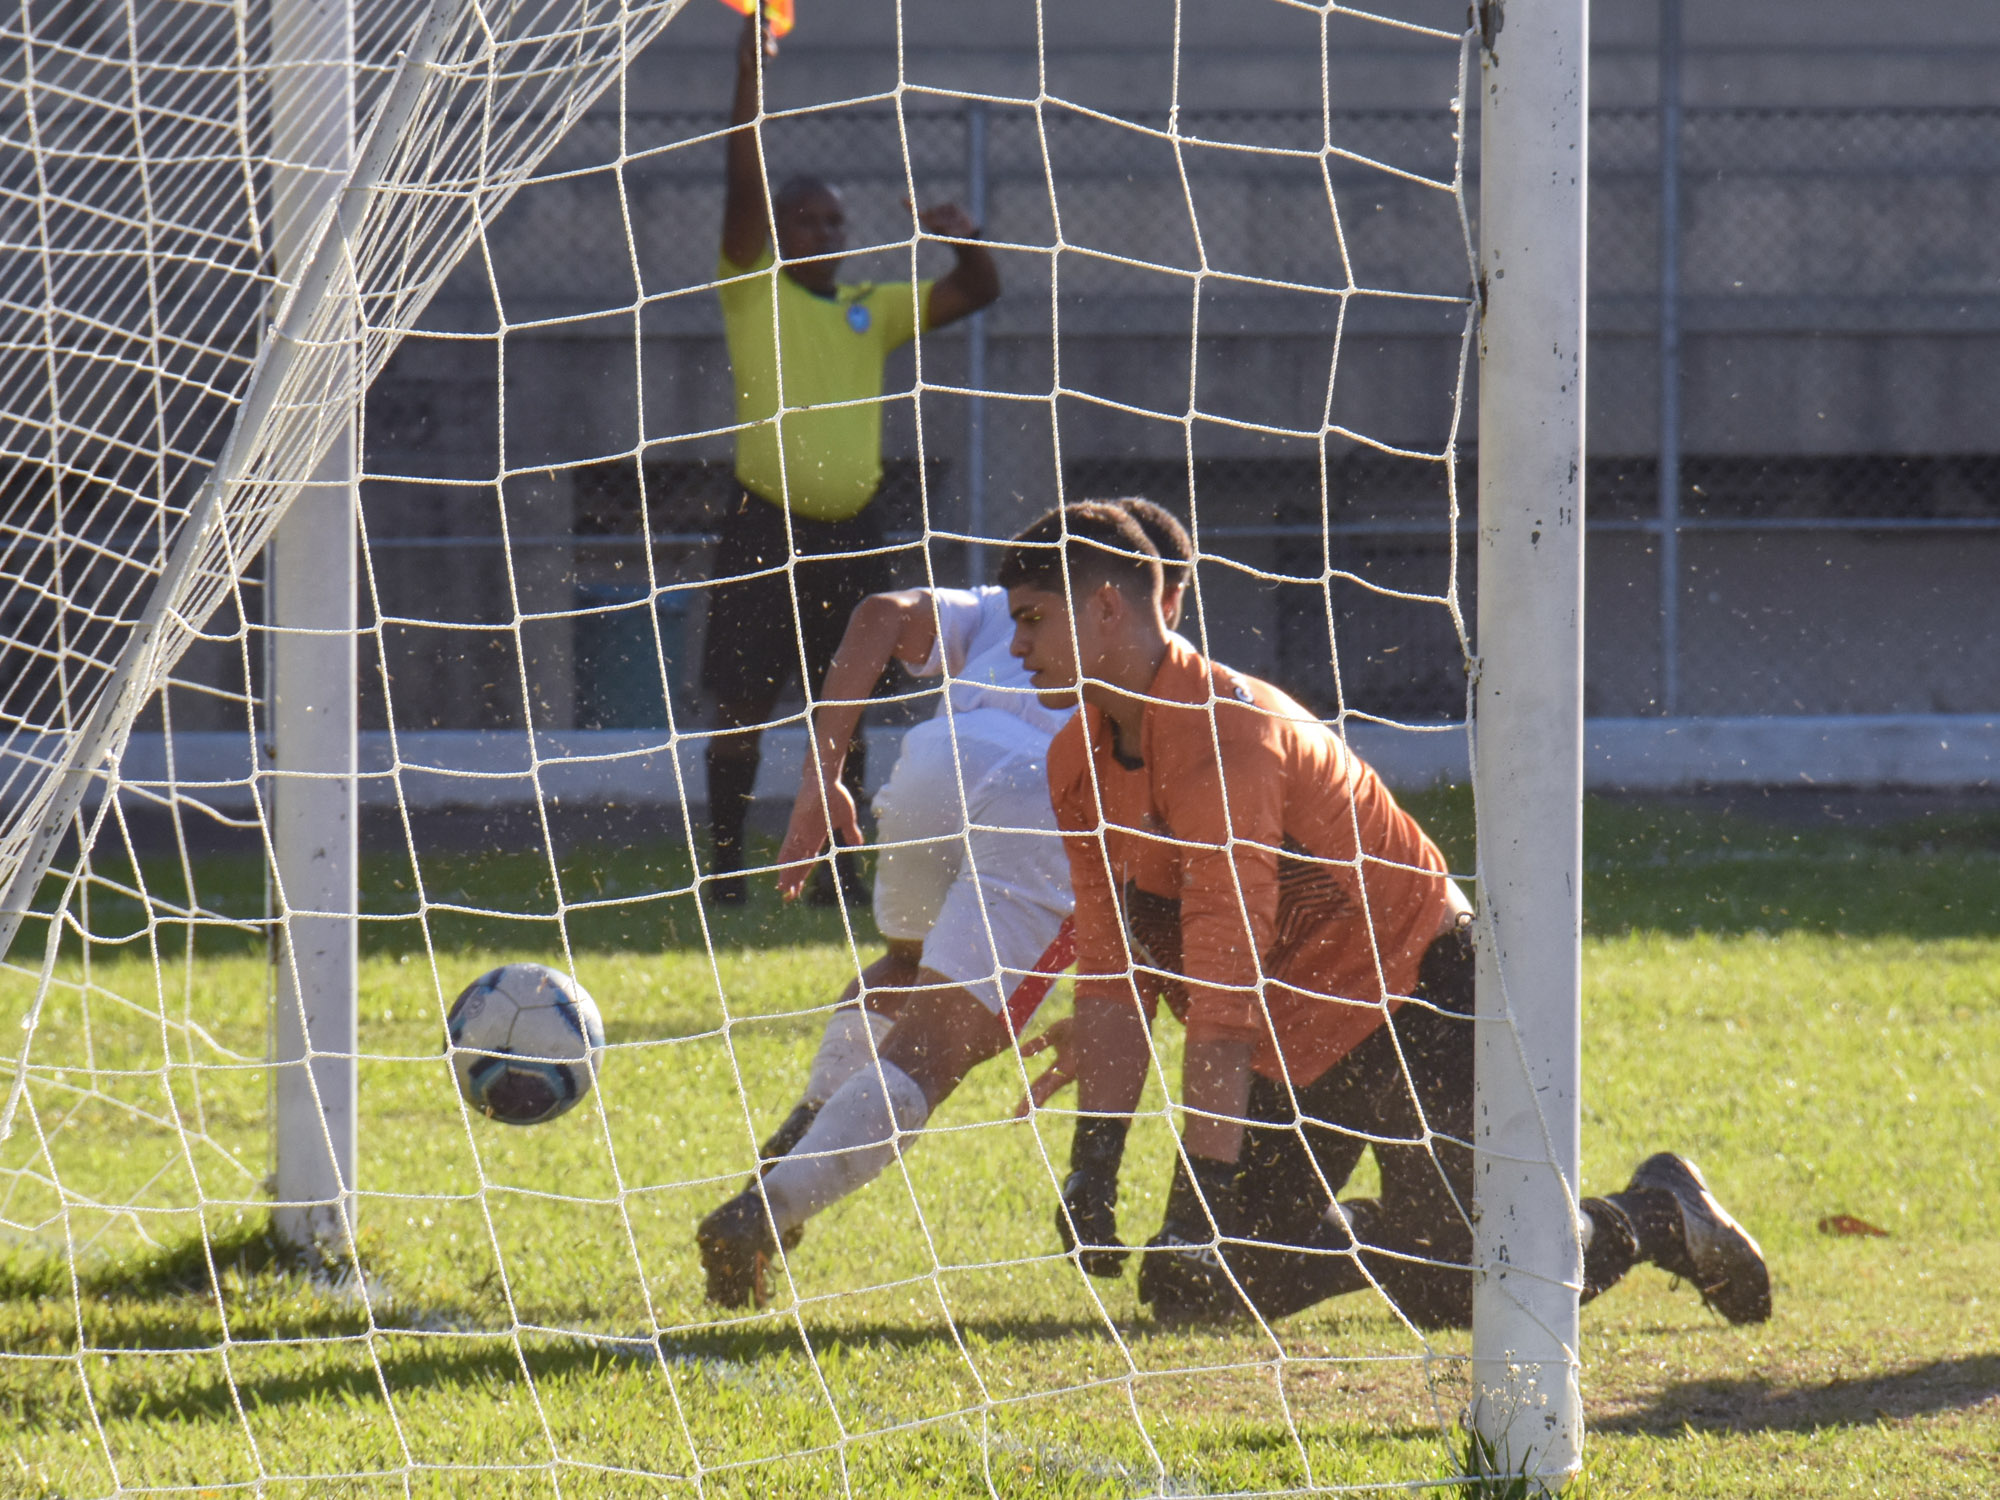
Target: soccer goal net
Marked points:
378	610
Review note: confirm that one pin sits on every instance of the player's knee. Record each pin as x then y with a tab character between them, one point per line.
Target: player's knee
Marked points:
904	958
943	1034
884	985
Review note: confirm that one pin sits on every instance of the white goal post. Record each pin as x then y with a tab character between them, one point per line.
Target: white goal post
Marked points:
314	688
1528	733
397	134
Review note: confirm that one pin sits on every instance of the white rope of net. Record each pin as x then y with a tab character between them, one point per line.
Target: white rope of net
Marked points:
465	120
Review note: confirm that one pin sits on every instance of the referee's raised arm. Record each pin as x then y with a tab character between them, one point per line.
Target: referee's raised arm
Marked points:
970	284
746	214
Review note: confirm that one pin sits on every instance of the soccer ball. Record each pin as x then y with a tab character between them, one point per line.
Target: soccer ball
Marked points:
525	1042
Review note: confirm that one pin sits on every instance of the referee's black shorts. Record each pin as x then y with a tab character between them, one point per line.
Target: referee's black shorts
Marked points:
754	639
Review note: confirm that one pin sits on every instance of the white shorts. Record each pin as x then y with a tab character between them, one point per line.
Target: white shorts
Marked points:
971	860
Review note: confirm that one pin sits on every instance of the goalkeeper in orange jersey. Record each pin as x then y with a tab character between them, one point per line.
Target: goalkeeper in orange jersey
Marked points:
1231	855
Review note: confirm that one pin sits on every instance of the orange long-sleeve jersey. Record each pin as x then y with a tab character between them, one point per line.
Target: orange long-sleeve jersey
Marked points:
1248	866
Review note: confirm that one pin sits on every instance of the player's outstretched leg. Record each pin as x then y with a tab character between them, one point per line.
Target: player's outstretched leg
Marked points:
850	1141
847	1046
852	1037
943	1033
981	876
737	1246
779	1143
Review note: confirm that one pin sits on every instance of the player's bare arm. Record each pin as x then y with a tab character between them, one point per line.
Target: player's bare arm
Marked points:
902	625
973	282
1112	1034
1229	906
746	218
1215	1091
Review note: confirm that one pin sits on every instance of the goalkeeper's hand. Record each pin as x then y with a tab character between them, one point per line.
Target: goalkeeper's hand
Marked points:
1087	1223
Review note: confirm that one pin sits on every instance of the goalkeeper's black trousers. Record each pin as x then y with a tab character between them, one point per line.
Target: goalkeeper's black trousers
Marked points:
1407	1090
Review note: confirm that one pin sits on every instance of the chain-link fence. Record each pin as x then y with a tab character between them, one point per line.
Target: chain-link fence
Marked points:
1838	517
1838	505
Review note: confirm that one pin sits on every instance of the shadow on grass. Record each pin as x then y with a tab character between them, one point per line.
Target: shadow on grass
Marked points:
751	1345
174	1270
1670	865
174	1299
640	897
755	1371
299	1338
411	1359
1675	868
1756	1406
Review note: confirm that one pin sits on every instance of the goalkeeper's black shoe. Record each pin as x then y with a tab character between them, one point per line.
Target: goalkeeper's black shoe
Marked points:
1087	1223
1716	1253
1184	1281
737	1248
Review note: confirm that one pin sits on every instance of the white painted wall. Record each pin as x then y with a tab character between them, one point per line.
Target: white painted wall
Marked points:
472	768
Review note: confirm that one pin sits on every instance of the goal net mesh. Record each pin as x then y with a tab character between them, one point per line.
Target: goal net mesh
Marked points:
524	277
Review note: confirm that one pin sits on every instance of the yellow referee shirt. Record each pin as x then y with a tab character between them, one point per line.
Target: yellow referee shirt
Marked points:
833	350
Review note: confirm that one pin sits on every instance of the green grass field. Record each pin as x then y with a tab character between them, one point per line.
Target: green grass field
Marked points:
1810	1015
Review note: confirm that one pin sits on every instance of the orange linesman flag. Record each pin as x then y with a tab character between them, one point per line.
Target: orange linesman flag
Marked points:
777	13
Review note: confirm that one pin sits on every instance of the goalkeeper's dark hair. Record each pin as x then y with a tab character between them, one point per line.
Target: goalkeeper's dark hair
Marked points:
1076	548
1169	538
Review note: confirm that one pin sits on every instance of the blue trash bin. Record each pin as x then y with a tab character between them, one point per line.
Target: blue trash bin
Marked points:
622	676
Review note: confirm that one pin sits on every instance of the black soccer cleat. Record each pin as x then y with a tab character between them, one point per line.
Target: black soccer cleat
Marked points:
737	1247
1716	1253
1087	1223
1184	1281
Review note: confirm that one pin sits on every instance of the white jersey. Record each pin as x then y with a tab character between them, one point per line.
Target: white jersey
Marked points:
975	634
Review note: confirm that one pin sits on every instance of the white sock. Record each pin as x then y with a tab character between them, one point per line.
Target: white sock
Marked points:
844	1051
849	1144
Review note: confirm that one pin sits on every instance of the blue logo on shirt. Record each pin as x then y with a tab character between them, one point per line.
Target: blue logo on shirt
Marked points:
857	317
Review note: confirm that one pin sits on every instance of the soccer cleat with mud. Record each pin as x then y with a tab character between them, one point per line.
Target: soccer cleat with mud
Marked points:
737	1248
1718	1254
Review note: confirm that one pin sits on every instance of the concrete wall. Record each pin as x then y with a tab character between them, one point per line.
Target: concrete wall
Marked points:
1240	54
1842	297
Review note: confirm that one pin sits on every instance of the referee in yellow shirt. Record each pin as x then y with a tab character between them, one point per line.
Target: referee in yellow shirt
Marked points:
814	346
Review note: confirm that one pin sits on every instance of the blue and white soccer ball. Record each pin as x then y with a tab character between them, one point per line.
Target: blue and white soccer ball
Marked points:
525	1042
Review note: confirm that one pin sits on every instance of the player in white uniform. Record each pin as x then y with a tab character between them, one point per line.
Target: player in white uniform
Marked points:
971	895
